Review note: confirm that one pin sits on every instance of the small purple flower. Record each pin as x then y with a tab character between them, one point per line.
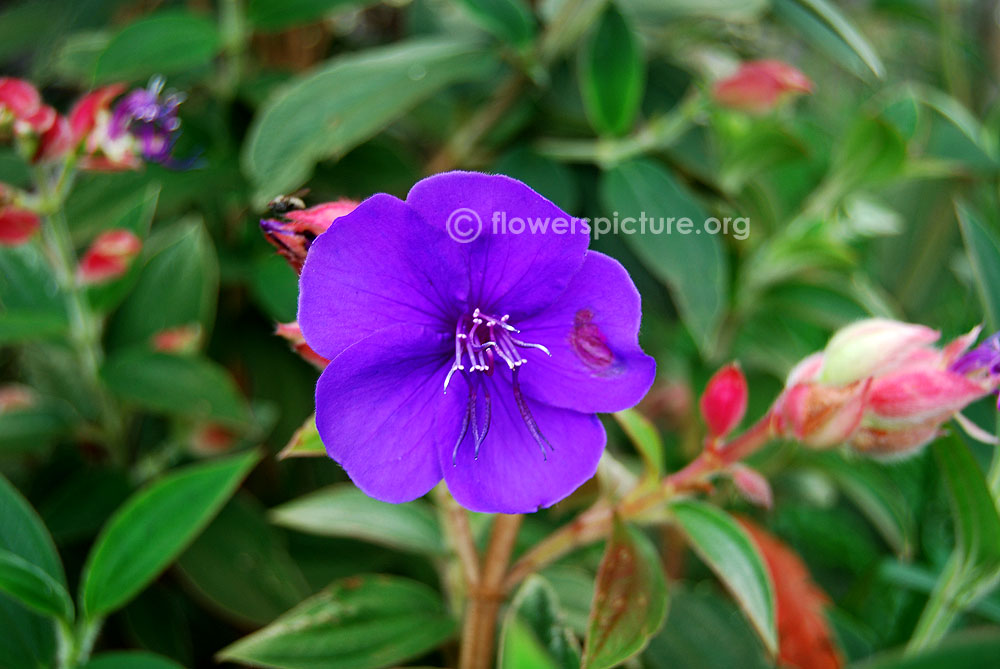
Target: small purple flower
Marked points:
983	358
152	120
483	362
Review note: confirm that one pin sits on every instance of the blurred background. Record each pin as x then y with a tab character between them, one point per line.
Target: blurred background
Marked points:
861	186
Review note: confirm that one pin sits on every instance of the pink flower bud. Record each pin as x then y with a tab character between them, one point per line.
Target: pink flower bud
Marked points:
181	339
85	114
17	225
724	402
293	334
920	395
752	485
870	347
896	442
90	129
293	231
212	439
109	256
18	98
821	416
759	86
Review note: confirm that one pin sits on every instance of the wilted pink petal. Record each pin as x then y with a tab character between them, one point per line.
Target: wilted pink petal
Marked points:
109	256
724	402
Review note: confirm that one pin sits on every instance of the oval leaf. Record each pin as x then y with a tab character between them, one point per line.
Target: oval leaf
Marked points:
169	43
534	633
153	527
630	599
33	587
330	111
345	511
509	20
726	548
612	73
366	621
691	265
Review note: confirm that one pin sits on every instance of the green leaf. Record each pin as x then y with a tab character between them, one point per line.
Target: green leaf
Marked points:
178	285
240	566
182	385
275	15
357	623
612	73
630	599
725	10
984	254
153	527
33	428
534	635
344	511
167	43
305	442
977	524
875	495
813	15
275	286
131	660
33	587
646	439
966	650
31	303
731	554
28	639
704	631
333	109
509	20
691	265
872	152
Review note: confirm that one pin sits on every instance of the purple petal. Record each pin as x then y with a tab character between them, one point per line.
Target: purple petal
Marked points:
511	474
519	274
381	413
378	266
592	332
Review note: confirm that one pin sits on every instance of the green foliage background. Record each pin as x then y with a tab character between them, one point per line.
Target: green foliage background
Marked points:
875	195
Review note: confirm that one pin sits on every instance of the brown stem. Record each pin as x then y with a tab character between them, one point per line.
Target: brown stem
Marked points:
460	536
479	627
595	523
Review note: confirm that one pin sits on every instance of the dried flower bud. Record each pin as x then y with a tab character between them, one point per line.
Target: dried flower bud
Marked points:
724	402
292	231
293	334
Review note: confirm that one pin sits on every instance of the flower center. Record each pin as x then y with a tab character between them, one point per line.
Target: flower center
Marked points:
480	341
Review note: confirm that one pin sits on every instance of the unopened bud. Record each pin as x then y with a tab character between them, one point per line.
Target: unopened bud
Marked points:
822	416
752	485
109	256
759	86
872	346
292	231
17	225
724	402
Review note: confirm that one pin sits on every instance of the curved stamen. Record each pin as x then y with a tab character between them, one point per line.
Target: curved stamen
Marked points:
481	436
528	419
465	423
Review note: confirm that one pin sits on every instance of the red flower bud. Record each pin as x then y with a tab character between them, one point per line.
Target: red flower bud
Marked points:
109	256
54	142
17	225
724	401
293	334
759	86
14	397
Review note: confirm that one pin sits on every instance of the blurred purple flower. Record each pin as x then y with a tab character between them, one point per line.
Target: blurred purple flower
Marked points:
411	318
151	117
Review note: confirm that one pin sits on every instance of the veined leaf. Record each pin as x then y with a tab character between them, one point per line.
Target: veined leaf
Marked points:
33	587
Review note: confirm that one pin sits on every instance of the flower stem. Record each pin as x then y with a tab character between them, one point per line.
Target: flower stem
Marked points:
479	626
595	523
84	333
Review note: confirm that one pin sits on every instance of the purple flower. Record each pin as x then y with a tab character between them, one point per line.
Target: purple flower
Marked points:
152	120
482	363
983	358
